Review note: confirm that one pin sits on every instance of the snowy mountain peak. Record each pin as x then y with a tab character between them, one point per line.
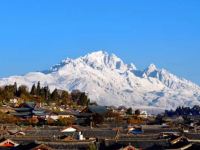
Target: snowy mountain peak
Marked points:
60	65
151	71
102	60
97	54
152	67
109	81
66	61
132	67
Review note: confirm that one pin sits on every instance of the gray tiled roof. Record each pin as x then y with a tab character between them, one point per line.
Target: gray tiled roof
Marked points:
101	134
97	109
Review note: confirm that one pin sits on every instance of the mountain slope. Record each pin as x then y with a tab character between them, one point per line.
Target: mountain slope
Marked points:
109	81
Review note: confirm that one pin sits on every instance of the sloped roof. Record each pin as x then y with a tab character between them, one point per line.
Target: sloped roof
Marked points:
8	142
42	147
30	104
22	114
101	110
43	133
101	134
23	109
70	129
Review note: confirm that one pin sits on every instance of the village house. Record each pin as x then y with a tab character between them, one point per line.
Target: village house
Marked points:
56	115
28	110
95	109
143	114
179	143
7	143
71	129
122	110
135	130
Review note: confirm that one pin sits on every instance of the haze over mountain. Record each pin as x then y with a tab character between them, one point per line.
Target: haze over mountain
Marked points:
109	81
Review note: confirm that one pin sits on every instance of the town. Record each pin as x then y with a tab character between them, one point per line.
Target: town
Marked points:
42	120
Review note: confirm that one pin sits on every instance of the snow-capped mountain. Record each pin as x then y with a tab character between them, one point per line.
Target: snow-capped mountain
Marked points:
109	81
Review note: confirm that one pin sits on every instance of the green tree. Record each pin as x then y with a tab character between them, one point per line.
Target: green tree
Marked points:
65	97
38	88
129	111
55	95
42	93
65	121
137	112
23	92
1	95
33	90
9	92
83	99
75	95
15	88
46	93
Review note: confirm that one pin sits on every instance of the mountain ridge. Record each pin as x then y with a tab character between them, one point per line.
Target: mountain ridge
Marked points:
110	81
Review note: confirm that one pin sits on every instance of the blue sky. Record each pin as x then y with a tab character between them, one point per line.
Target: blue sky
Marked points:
36	34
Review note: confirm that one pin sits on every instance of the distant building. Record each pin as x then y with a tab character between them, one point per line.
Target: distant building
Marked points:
94	109
143	114
27	110
70	129
135	131
57	115
179	143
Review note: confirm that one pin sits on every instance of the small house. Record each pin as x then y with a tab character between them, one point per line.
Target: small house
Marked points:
57	115
70	129
135	131
7	143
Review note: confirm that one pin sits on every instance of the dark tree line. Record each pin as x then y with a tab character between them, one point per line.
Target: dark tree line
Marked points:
184	111
42	94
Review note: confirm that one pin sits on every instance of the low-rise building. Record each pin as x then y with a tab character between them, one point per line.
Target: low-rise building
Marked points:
7	143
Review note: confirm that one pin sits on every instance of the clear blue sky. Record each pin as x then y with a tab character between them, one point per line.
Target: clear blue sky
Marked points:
35	34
